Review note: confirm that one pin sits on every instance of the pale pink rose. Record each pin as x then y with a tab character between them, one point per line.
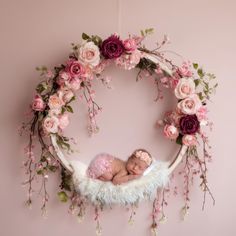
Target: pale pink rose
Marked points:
190	105
184	88
38	103
63	121
184	70
50	124
55	102
73	83
89	54
65	94
171	132
189	140
74	68
130	45
201	113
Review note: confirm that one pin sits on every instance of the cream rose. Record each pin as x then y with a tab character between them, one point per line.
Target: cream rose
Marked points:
184	88
189	140
89	53
55	102
171	132
190	105
50	124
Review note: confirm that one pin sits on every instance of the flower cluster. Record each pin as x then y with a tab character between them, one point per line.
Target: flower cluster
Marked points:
51	105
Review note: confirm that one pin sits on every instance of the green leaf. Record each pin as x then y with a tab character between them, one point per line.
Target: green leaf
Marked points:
62	196
40	172
52	168
85	36
200	72
179	139
69	108
197	81
195	65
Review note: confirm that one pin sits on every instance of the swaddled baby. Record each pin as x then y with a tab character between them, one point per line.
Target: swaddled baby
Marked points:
109	168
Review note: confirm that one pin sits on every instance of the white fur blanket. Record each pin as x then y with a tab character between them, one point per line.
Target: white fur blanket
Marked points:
97	191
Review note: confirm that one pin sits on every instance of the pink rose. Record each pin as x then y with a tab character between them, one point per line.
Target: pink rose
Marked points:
63	121
38	103
190	105
184	70
89	54
184	88
65	94
189	140
130	45
74	68
50	124
55	102
171	132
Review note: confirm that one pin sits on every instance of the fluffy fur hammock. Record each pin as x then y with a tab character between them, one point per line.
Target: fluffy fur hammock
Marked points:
97	191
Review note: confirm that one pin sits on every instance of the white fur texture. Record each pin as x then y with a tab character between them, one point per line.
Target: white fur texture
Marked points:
133	191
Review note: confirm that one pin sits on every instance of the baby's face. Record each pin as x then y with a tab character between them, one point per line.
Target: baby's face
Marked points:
135	166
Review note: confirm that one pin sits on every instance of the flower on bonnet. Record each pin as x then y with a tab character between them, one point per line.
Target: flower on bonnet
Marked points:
143	156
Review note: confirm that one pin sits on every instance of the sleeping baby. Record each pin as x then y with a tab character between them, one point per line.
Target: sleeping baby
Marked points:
106	167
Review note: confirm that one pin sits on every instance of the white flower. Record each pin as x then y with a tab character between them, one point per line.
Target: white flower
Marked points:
184	88
89	54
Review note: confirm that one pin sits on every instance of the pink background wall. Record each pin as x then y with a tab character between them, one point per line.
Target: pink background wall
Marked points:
40	32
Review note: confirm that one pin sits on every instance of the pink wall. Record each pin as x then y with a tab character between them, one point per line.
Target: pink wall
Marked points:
40	32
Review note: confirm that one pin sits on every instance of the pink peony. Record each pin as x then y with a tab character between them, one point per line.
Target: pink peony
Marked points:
184	88
55	102
130	45
50	124
189	140
38	103
63	121
190	105
171	132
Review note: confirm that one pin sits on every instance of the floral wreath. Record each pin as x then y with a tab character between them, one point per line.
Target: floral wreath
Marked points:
51	106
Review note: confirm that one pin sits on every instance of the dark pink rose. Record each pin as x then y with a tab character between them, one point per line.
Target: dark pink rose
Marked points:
112	47
74	68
